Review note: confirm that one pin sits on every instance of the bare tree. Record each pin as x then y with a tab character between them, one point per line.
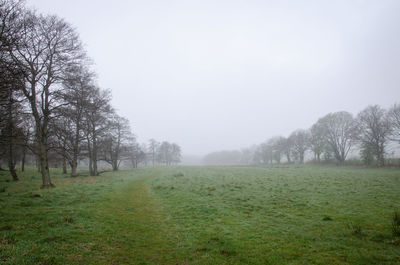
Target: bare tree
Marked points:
11	82
176	154
27	126
301	140
137	154
339	131
69	122
394	119
11	133
116	142
278	146
47	46
263	154
287	148
153	146
58	138
317	140
247	155
97	113
11	136
374	131
168	153
164	153
144	156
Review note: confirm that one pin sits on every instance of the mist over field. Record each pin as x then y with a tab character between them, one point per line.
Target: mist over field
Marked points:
199	132
225	75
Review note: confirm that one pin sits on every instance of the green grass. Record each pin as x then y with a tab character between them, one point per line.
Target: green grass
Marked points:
203	215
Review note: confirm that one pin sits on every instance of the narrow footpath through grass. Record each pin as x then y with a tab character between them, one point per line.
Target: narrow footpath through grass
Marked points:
137	231
199	215
110	219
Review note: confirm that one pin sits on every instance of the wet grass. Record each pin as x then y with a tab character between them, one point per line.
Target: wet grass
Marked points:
284	215
84	220
199	215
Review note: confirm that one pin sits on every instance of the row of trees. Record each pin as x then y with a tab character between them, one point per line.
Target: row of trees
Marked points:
50	105
331	138
163	152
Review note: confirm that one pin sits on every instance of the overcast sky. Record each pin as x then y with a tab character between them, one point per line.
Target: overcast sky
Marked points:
212	75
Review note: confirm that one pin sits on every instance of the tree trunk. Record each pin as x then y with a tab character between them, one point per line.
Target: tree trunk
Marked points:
13	172
288	157
64	158
38	164
44	164
74	166
64	166
9	133
341	161
115	165
41	130
94	157
23	159
74	162
90	165
380	159
301	158
11	164
90	156
94	164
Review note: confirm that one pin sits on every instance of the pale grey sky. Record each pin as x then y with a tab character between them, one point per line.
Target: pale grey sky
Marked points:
214	75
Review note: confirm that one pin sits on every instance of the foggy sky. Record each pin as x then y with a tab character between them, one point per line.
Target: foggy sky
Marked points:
212	75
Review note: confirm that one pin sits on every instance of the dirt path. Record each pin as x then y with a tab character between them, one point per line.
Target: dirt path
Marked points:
137	231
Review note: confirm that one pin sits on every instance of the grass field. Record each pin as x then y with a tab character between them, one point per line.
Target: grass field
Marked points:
203	215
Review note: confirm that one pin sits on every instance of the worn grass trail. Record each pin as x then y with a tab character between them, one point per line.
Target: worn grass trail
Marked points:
137	231
112	219
200	215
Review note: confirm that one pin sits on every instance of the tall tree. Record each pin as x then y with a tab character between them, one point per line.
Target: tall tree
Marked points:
374	131
11	81
301	140
263	154
339	130
394	119
11	135
176	154
153	146
145	152
137	154
78	89
47	46
247	155
97	113
287	148
317	141
116	141
58	139
278	146
27	141
164	153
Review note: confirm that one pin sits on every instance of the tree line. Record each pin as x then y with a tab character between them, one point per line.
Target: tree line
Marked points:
163	153
330	140
50	105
